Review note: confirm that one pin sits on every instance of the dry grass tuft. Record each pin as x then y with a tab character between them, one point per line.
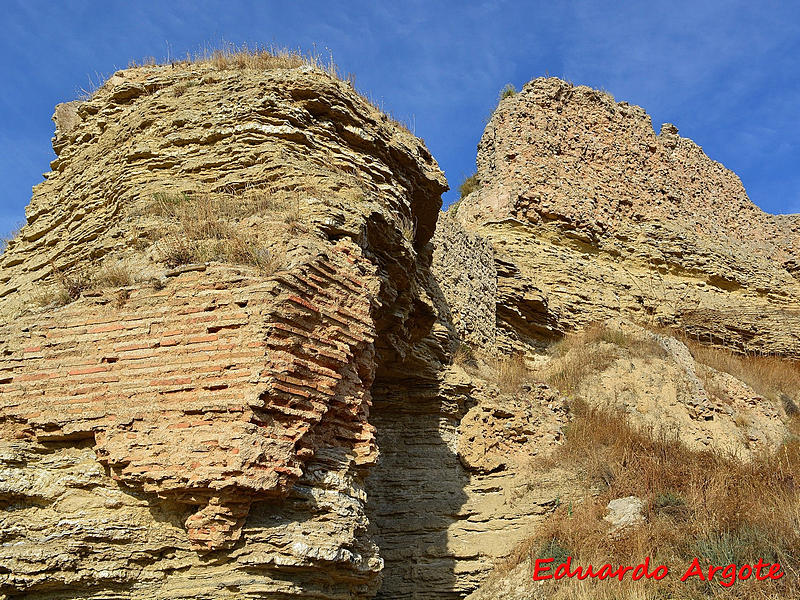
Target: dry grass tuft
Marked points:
111	276
228	55
601	332
697	504
508	91
592	350
265	58
508	373
769	376
71	285
180	88
465	357
202	228
469	185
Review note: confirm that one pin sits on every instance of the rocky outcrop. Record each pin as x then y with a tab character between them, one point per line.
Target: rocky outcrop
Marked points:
196	393
657	384
464	270
451	493
204	430
196	129
597	215
240	358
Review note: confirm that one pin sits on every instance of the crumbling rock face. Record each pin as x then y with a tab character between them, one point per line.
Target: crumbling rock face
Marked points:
464	270
205	431
198	130
451	493
599	216
209	392
305	417
214	392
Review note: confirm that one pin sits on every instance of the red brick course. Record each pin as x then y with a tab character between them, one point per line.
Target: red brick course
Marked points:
213	391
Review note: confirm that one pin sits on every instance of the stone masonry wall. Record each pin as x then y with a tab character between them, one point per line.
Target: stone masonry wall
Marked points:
464	269
204	430
213	392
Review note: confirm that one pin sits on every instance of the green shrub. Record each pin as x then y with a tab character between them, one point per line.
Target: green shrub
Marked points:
554	549
745	545
668	500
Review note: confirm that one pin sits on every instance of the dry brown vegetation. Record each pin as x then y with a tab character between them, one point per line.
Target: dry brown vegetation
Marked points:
70	285
697	504
774	377
769	376
465	356
576	357
469	185
508	373
201	228
110	276
591	350
229	56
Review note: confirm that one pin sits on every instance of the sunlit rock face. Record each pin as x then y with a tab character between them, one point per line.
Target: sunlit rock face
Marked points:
593	214
199	426
243	354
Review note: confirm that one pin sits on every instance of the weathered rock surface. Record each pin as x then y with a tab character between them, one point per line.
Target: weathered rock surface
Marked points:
455	489
593	216
656	383
596	215
197	393
325	411
196	129
205	431
464	270
625	512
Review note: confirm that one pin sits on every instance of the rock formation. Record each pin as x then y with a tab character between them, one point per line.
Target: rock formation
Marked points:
243	354
204	431
594	215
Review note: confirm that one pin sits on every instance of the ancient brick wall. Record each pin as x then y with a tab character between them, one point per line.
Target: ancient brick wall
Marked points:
213	391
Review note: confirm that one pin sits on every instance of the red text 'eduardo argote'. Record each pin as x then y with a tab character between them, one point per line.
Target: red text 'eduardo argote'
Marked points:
728	574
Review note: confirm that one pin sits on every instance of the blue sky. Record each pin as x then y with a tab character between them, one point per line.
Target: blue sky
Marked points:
726	73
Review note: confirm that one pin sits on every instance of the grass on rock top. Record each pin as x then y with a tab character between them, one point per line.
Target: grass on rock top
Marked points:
230	57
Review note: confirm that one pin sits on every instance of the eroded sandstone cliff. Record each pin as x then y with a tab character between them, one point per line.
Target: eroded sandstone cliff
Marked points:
243	354
593	215
189	427
645	246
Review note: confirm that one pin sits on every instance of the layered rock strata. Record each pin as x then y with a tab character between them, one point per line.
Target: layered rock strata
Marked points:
204	430
239	357
593	214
